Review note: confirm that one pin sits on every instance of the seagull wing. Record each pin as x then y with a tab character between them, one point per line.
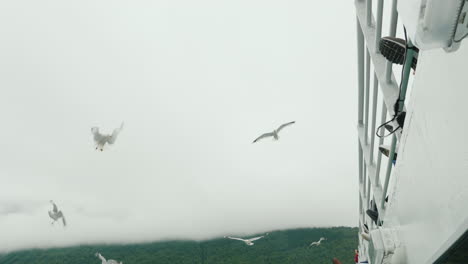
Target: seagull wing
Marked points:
114	135
284	125
63	220
98	137
314	244
51	215
101	257
264	136
236	238
256	238
55	210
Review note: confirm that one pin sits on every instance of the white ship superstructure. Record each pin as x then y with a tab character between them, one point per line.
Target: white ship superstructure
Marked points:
422	198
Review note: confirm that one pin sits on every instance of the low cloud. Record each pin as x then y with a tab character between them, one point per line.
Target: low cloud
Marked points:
18	207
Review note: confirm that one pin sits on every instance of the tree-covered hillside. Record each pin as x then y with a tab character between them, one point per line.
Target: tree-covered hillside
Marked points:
279	247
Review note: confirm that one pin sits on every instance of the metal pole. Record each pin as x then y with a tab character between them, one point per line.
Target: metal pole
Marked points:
403	86
393	24
406	72
378	28
369	13
379	155
360	204
364	178
389	170
366	111
360	51
360	162
368	192
374	112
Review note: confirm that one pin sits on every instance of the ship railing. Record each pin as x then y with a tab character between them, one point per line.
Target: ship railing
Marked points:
369	33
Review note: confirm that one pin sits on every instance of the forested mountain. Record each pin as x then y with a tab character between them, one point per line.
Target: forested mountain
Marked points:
279	247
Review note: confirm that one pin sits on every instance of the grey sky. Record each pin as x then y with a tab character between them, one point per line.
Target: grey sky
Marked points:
195	82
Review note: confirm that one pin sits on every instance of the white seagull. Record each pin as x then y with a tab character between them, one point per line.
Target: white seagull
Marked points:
246	241
104	261
274	134
100	140
56	214
317	243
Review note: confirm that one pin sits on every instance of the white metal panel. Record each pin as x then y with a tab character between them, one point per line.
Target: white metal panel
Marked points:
430	23
430	194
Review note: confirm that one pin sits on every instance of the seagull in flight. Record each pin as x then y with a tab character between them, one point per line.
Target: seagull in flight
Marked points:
100	139
104	261
317	243
274	134
246	241
55	214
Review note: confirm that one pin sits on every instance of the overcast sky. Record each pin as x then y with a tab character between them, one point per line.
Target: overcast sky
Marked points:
195	83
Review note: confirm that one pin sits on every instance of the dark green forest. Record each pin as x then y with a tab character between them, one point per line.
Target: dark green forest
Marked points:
279	247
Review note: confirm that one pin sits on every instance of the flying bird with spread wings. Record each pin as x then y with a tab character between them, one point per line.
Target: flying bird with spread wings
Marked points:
275	132
317	243
100	139
248	242
55	214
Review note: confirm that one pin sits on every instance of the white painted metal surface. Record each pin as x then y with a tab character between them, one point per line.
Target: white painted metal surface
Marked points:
431	23
426	212
428	203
